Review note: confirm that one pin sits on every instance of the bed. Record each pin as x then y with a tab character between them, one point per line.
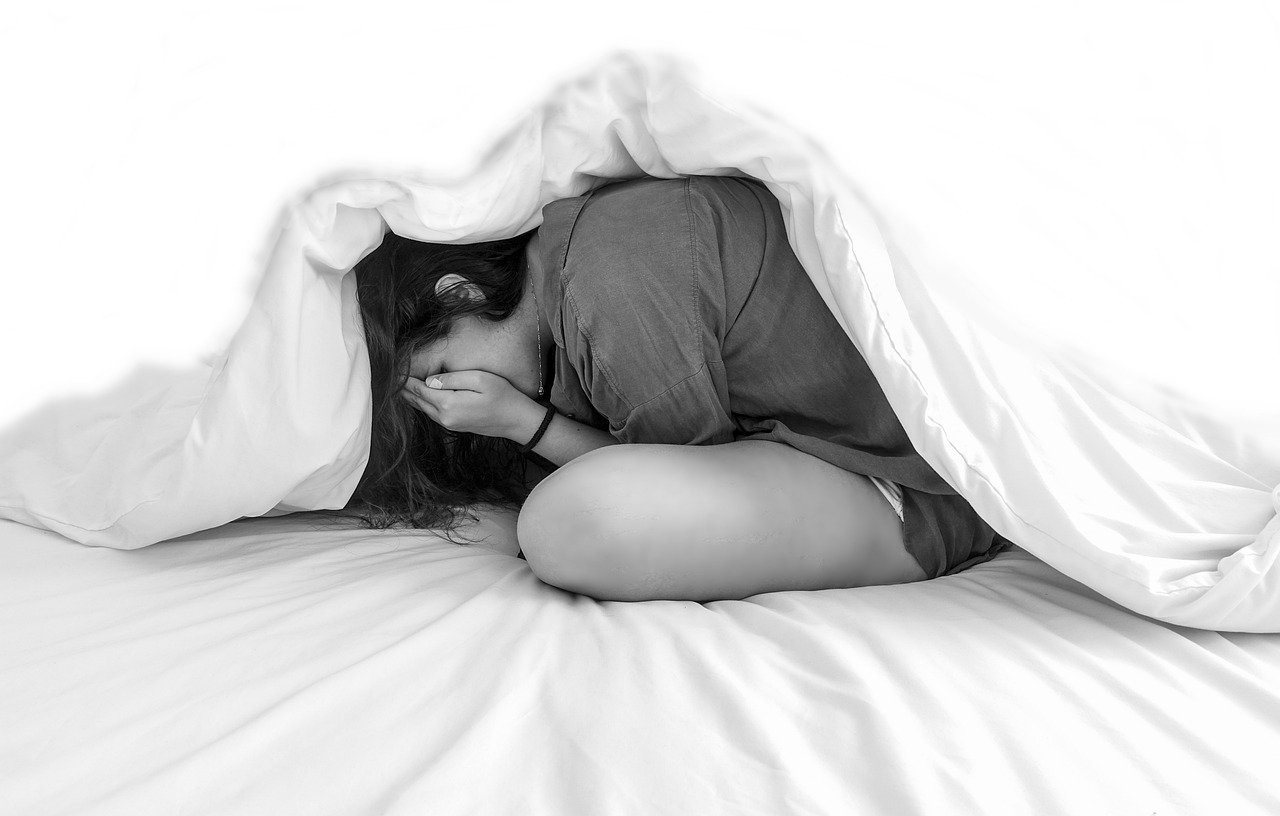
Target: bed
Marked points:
291	665
186	628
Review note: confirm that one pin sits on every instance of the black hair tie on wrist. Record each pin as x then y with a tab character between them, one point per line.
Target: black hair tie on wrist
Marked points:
546	421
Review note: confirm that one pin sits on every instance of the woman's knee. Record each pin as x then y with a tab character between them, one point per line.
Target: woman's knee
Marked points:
576	521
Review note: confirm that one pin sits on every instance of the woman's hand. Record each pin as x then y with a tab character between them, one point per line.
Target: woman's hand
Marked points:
473	401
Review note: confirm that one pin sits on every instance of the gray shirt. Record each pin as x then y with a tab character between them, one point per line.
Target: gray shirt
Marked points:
681	315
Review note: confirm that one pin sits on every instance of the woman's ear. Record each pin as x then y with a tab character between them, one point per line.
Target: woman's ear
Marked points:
458	287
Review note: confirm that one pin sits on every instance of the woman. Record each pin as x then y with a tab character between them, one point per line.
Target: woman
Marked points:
708	428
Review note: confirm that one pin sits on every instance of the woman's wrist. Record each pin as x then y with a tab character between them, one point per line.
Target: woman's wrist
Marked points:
563	439
547	416
525	421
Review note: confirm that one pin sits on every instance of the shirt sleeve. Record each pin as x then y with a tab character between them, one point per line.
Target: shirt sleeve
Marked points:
689	412
643	369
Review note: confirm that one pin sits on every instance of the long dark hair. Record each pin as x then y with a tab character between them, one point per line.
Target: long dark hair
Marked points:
421	474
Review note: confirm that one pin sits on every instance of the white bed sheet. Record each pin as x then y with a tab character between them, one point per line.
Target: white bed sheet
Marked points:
273	666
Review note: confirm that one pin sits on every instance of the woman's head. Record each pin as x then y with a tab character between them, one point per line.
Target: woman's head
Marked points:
424	308
505	347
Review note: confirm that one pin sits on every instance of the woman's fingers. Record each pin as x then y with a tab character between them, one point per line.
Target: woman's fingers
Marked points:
466	400
471	380
415	386
438	385
426	400
424	405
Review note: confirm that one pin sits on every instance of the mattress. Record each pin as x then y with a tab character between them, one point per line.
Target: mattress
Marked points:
299	664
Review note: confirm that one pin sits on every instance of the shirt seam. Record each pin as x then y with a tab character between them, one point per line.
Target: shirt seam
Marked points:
566	288
666	390
596	358
694	317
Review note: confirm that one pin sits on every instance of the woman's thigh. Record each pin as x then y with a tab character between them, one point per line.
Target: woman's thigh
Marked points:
640	522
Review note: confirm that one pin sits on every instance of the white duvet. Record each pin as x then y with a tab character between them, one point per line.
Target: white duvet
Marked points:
1167	509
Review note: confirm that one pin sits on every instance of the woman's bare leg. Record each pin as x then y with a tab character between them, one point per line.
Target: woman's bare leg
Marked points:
644	522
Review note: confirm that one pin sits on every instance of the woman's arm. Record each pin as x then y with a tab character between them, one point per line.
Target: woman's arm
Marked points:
564	439
481	402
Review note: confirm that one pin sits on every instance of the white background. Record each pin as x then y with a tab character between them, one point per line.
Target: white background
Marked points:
1102	174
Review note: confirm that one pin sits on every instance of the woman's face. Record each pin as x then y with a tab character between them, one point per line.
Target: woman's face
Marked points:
506	348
